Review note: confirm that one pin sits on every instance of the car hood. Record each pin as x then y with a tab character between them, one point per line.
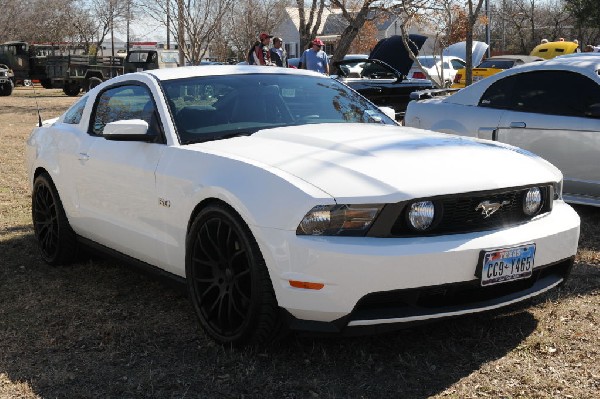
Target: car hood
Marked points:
460	50
391	50
385	163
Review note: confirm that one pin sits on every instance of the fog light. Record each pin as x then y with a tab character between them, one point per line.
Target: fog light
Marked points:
532	202
421	214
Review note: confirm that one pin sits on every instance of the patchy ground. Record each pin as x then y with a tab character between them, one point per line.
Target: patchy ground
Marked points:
98	329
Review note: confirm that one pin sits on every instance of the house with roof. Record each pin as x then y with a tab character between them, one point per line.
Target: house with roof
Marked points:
332	26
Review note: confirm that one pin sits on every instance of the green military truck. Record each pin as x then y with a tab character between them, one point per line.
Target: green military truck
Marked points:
70	72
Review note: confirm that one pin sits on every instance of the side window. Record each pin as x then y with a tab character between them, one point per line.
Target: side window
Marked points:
499	94
73	114
125	103
456	64
556	93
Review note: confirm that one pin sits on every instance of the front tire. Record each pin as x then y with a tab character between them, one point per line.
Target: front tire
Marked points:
56	240
71	89
228	281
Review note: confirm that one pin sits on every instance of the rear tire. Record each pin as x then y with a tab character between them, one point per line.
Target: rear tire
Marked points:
228	281
7	88
46	83
71	89
56	239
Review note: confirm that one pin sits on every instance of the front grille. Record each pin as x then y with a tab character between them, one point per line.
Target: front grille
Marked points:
459	214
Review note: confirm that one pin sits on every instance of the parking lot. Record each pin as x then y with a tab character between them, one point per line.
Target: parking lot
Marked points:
100	329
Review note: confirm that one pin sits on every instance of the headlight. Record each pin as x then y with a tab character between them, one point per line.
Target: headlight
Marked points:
421	214
532	202
332	220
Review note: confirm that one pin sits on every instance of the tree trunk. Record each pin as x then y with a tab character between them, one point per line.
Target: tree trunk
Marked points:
351	31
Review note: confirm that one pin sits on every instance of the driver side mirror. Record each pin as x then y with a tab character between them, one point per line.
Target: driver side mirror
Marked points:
128	130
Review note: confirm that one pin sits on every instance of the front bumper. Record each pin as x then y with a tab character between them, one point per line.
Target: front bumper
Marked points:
353	268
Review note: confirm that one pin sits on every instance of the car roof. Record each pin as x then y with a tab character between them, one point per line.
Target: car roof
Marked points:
356	56
210	70
437	57
552	49
512	57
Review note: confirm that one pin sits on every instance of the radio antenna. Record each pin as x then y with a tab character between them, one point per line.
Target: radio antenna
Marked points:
37	105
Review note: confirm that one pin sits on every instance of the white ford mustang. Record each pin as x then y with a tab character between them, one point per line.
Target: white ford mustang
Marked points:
286	199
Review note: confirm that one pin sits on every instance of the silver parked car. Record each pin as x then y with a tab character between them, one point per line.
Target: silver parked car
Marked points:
551	108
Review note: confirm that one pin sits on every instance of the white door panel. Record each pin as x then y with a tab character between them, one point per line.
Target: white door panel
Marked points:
117	196
570	143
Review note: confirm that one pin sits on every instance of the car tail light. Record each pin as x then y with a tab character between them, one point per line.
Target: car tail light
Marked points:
457	78
419	75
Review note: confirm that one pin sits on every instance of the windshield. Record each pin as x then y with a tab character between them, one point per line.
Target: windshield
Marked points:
498	64
427	62
170	56
138	57
215	107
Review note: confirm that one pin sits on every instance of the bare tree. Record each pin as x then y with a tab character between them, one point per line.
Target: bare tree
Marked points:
309	28
474	8
108	15
249	19
356	19
199	22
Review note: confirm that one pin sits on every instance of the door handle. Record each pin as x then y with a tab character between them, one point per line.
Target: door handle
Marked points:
83	156
518	124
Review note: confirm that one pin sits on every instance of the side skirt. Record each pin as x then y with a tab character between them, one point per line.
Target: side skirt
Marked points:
171	280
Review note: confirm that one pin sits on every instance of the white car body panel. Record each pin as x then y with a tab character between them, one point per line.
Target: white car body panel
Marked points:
436	71
571	143
138	198
460	50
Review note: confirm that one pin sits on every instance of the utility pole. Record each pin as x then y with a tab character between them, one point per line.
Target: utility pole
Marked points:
112	28
181	32
168	24
128	16
487	28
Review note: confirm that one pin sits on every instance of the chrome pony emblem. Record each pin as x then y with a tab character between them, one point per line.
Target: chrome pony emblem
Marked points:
489	208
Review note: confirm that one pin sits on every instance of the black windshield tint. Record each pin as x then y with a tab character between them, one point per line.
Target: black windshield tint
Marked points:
208	107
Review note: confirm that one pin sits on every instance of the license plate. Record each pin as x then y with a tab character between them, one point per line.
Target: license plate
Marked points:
477	78
507	264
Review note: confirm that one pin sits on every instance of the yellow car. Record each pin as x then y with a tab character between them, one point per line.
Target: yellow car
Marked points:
554	49
491	66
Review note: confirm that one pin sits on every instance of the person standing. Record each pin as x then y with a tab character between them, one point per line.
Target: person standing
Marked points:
314	58
278	54
259	53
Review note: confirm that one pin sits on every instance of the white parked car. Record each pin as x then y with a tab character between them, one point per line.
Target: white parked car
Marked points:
283	197
442	72
551	108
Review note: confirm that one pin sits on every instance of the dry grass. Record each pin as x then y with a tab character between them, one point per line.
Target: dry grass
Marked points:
99	329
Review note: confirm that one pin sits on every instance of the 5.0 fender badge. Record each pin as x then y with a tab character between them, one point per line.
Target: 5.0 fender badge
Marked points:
489	208
164	202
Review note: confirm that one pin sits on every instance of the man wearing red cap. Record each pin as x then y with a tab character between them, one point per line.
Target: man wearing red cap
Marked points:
259	54
314	58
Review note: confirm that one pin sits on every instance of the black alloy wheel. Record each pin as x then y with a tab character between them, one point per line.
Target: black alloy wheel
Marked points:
228	280
56	240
